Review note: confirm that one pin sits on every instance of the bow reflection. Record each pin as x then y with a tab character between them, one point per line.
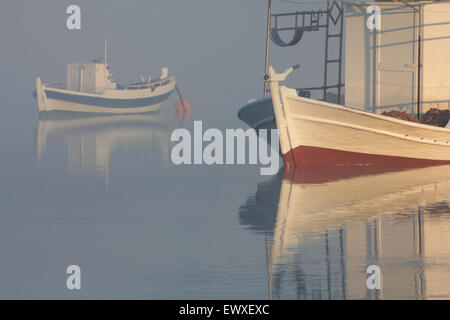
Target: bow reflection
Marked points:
324	226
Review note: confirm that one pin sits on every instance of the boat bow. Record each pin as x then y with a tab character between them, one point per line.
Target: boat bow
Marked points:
315	132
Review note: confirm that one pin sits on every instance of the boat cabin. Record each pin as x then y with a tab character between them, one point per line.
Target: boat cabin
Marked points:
89	77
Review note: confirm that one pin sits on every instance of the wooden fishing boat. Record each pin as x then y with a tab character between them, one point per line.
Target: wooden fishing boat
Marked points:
90	88
400	65
315	132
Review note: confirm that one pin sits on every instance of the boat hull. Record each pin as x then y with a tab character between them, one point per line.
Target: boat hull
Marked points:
109	102
314	156
320	133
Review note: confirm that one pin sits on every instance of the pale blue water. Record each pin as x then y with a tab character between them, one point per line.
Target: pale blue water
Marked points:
103	194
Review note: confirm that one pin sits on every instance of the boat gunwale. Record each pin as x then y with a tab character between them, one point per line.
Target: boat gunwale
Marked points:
149	85
330	105
102	95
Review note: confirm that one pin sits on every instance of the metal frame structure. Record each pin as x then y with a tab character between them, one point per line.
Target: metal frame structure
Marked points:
311	21
419	51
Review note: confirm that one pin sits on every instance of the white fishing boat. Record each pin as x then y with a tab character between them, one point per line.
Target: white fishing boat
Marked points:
399	66
90	88
315	132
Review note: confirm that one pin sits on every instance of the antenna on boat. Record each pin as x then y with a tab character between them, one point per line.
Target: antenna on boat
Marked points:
269	17
105	52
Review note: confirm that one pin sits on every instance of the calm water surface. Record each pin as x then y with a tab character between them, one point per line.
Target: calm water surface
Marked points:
101	193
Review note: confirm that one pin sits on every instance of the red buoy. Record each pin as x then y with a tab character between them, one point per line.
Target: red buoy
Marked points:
183	110
186	108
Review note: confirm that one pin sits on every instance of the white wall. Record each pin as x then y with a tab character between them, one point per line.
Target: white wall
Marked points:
436	56
385	78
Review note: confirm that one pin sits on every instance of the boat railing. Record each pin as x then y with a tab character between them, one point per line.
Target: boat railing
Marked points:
150	85
135	86
58	85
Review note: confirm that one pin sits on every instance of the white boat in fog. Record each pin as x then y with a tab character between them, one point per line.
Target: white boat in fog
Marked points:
90	88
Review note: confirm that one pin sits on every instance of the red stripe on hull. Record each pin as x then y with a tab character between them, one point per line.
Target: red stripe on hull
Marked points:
304	156
323	174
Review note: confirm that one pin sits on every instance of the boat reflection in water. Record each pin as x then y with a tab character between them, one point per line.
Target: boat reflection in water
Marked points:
325	226
91	139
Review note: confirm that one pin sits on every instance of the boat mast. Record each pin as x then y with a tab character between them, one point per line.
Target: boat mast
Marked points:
419	52
105	52
266	71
